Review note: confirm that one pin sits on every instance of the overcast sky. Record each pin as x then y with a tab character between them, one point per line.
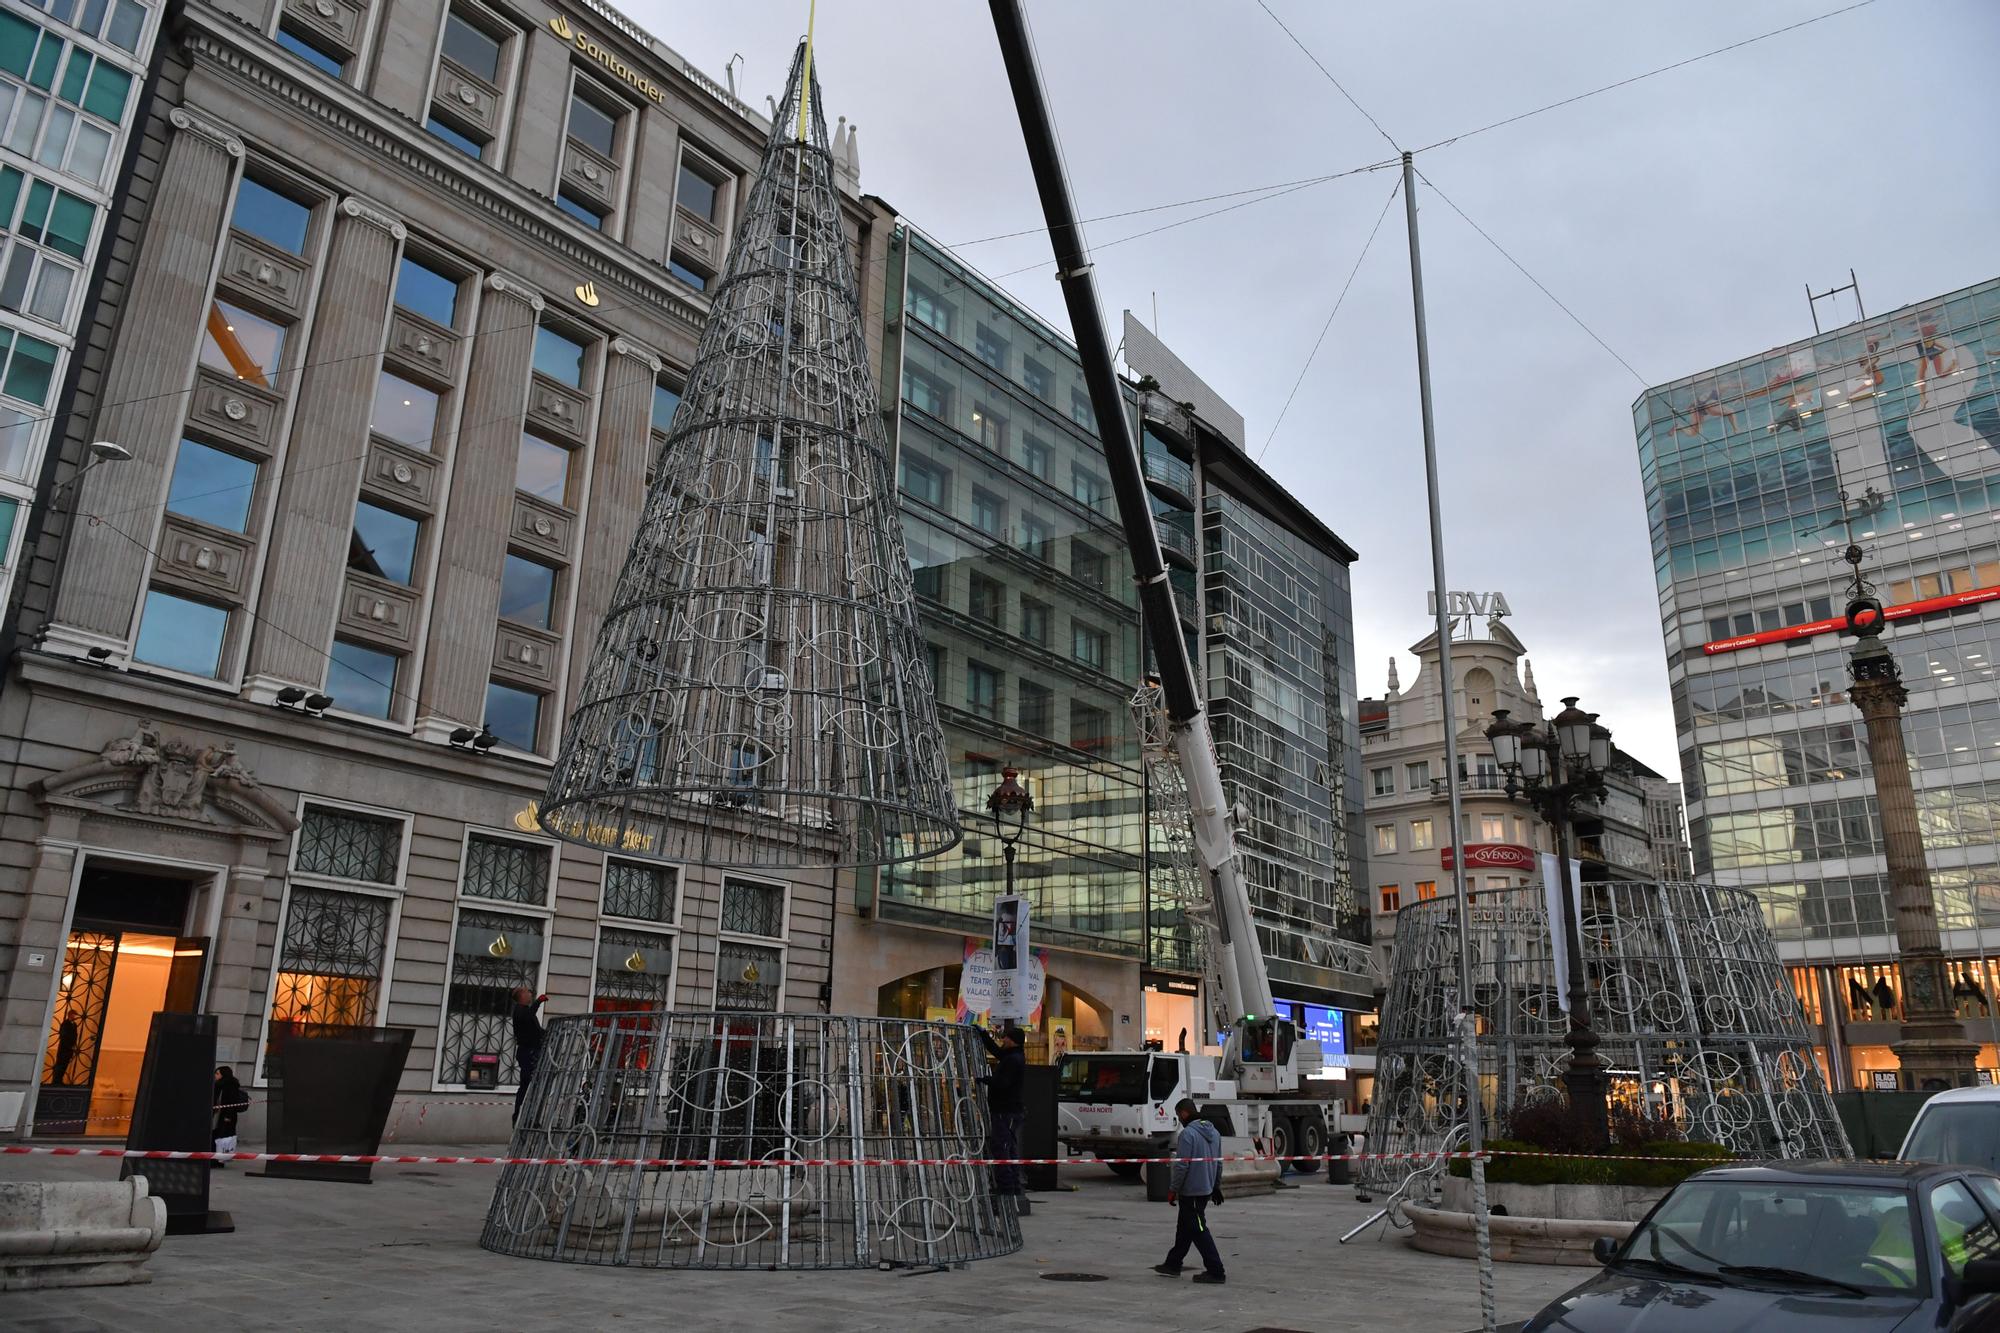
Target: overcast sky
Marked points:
1681	218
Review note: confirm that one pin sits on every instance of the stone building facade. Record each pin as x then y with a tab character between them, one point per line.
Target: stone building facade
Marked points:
391	322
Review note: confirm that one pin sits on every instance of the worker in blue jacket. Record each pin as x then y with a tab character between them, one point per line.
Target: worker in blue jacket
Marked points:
1197	1176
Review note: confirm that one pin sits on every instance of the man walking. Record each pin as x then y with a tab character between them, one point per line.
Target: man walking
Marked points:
527	1040
1196	1174
1003	1105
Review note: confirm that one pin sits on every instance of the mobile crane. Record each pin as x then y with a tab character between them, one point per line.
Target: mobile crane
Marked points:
1122	1103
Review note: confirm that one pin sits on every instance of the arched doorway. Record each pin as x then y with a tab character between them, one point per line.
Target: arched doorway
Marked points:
1069	1019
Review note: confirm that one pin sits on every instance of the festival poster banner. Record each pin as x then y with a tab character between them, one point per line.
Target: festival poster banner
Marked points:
975	984
1062	1031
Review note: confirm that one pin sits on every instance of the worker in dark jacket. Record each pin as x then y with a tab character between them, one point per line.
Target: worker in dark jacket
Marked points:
1003	1104
1196	1174
527	1040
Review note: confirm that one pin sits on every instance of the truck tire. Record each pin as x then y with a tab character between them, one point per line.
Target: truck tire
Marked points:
1311	1142
1282	1139
1126	1170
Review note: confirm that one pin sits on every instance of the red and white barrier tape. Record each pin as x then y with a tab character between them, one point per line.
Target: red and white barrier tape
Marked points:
394	1159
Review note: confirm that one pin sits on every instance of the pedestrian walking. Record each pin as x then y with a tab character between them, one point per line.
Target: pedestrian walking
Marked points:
1004	1112
1196	1180
527	1040
230	1101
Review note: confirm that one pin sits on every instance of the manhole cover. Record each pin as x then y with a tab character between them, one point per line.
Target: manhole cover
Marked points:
1073	1277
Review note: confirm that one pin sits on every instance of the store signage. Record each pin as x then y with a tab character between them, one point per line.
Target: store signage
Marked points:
1329	1028
528	819
1491	856
1883	1080
1791	633
569	32
1470	604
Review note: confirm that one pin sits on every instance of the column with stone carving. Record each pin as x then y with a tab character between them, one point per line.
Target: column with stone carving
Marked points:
142	391
315	514
617	491
465	604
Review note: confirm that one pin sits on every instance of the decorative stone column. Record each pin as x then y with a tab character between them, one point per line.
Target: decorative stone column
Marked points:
617	491
315	513
142	388
465	604
1932	1049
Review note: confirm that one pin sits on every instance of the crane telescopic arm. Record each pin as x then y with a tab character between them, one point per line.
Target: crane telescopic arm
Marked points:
1241	958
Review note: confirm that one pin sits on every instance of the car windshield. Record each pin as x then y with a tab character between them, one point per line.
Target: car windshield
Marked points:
1853	1235
1957	1133
1119	1079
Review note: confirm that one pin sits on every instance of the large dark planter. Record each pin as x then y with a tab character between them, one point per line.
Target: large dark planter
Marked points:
331	1092
174	1112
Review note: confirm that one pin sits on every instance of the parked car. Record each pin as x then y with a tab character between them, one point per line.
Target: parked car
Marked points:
1847	1246
1960	1126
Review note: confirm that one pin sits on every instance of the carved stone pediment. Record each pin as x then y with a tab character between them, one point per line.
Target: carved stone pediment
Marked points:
176	780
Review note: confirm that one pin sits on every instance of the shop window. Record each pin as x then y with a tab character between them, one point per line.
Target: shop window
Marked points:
492	953
750	956
331	952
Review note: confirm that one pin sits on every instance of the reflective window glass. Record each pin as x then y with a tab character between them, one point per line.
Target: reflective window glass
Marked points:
180	634
542	470
310	51
592	125
696	193
384	543
458	139
558	357
211	486
31	367
698	281
362	680
404	412
423	290
514	715
241	344
527	591
473	49
665	403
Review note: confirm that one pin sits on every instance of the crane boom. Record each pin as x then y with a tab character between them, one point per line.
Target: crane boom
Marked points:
1239	957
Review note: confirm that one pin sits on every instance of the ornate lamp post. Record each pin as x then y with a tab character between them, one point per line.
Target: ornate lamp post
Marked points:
1932	1048
1010	805
1558	767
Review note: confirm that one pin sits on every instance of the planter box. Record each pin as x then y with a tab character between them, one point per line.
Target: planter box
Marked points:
78	1233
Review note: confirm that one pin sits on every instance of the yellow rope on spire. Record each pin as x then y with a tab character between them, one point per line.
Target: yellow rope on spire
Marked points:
806	79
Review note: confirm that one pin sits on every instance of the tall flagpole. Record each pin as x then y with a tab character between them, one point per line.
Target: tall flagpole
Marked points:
1467	1027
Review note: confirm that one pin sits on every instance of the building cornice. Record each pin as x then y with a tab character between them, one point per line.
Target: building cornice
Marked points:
219	41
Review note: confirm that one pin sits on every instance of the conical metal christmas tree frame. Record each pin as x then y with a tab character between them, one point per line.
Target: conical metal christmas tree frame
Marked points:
758	694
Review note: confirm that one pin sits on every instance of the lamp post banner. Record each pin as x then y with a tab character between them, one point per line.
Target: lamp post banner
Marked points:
1552	901
1011	957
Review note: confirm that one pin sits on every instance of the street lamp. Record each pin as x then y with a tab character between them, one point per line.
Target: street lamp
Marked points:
1558	767
1010	805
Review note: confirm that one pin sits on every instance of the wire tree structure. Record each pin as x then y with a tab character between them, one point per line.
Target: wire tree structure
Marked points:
1696	1015
777	1127
758	695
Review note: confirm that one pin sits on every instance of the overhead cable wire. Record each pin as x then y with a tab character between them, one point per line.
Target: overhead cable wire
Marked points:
1329	77
1637	78
1394	190
1539	284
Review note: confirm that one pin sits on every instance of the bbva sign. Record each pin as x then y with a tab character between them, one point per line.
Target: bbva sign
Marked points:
1470	604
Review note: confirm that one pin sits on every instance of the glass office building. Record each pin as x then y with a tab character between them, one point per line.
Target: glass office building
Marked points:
1758	474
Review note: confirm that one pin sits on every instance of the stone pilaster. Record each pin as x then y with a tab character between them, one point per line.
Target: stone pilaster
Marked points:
142	391
465	604
315	514
617	492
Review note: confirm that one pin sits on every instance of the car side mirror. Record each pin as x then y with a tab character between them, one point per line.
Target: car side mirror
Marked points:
1604	1249
1981	1278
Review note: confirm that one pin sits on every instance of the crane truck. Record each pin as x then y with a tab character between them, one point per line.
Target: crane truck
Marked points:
1121	1103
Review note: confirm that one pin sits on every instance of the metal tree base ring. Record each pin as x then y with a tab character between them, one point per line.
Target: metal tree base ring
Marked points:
806	1109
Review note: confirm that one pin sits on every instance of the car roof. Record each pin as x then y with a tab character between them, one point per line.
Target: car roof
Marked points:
1986	1092
1837	1173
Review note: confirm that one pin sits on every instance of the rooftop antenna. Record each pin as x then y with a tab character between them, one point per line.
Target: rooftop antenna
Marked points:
1812	300
729	71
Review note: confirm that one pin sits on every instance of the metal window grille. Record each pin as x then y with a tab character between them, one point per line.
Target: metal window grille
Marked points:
492	953
750	908
749	976
344	844
635	970
644	893
515	872
329	969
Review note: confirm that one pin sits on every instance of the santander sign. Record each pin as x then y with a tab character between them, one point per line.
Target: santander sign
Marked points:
1492	856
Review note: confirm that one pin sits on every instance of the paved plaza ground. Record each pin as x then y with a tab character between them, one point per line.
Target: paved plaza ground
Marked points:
402	1253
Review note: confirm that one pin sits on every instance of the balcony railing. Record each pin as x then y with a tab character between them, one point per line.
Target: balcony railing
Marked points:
1493	782
1176	542
1171	479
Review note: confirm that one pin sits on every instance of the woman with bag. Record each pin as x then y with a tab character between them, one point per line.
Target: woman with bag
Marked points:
230	1100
